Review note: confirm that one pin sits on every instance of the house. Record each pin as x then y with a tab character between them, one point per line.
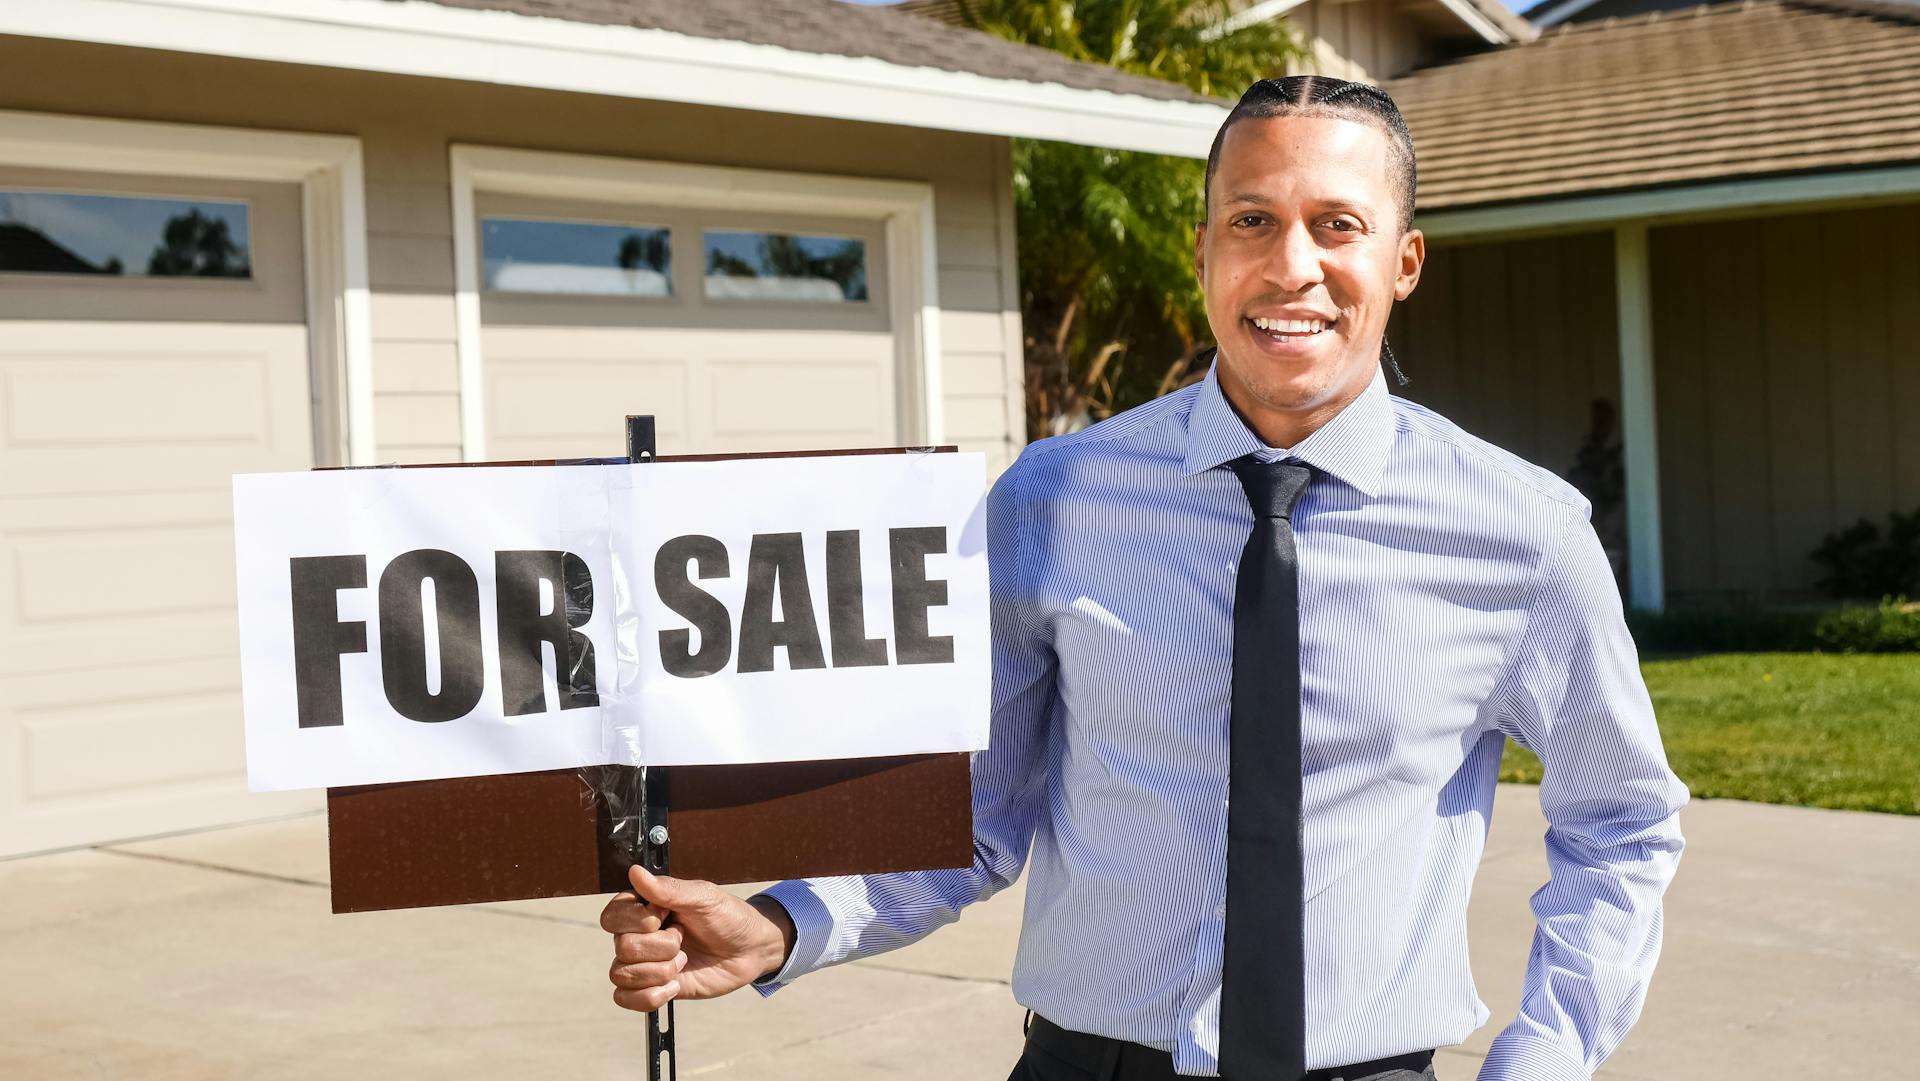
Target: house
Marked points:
1667	258
1701	223
254	235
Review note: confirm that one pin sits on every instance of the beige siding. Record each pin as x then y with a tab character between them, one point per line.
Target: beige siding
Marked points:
1787	363
1514	341
1364	40
406	126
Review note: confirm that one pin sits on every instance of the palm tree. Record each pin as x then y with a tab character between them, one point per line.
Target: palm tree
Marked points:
1113	313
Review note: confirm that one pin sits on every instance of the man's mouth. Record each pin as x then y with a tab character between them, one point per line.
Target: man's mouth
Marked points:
1292	330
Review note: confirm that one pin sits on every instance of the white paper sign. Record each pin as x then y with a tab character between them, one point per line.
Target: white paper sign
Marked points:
405	624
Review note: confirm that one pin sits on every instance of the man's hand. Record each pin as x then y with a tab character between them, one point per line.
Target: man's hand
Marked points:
680	938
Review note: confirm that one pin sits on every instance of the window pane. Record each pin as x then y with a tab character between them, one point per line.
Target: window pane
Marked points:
523	256
46	232
782	266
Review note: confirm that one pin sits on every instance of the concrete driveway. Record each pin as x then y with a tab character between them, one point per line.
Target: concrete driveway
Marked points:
1793	951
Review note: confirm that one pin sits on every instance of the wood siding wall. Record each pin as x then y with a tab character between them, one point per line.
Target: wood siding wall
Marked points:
406	125
1514	341
1786	370
1363	40
1787	366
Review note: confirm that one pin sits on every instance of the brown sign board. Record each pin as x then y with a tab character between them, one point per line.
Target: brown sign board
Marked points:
510	837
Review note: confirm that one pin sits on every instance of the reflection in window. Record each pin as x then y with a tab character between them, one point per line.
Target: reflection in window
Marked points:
47	232
782	266
582	258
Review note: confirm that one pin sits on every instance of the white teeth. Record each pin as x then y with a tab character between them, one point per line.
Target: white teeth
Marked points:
1291	326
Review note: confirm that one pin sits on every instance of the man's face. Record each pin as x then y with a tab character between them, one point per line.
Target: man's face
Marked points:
1301	259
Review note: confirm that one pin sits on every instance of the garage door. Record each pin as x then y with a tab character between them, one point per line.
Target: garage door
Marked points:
152	343
738	331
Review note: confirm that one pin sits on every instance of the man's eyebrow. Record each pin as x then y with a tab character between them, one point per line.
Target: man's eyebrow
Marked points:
1334	203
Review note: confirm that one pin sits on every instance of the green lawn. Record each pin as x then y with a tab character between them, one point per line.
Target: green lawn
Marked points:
1821	730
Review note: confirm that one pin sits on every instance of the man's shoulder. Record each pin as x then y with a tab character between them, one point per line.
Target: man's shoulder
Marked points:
1488	465
1157	428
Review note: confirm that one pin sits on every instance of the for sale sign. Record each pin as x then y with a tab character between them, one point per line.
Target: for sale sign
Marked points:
419	623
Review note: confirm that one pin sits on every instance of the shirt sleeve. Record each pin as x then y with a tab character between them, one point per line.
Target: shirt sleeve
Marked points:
846	918
1573	694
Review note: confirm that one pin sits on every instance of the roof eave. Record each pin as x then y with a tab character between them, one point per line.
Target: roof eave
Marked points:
417	38
1490	21
1751	195
1553	14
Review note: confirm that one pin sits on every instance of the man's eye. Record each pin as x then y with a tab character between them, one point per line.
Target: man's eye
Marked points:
1249	219
1343	225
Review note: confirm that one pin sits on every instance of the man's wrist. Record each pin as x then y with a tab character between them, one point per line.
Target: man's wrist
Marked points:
780	944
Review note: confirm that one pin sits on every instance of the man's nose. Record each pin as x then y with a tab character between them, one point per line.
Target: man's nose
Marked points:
1293	264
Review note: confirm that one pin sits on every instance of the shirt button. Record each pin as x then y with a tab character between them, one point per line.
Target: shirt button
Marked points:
1220	912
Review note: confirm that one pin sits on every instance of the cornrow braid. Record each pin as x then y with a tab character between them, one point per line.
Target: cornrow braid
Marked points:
1320	95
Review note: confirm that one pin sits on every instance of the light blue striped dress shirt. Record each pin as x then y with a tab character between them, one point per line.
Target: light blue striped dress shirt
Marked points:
1451	596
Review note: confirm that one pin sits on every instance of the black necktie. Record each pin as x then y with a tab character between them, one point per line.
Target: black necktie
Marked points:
1263	982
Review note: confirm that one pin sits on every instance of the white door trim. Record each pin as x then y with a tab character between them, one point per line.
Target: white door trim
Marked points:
334	226
906	208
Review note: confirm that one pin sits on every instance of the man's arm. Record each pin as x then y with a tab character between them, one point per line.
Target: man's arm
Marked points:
1573	694
716	943
841	919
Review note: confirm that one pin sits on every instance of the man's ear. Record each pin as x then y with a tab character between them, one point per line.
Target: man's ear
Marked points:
1200	253
1413	255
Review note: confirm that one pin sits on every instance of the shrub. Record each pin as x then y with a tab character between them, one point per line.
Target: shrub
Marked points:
1891	627
1725	630
1863	564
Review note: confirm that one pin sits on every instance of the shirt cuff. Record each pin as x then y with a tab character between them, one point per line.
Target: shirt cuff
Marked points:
813	927
1513	1057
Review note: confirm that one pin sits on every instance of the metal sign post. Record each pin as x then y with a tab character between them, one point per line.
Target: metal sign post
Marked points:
650	839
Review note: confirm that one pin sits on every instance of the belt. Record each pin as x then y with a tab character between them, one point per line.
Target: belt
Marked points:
1108	1059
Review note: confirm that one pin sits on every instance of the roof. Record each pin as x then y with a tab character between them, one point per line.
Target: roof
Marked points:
1513	26
1737	90
1550	13
22	247
834	28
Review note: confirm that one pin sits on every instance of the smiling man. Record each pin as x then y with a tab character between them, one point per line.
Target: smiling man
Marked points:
1257	648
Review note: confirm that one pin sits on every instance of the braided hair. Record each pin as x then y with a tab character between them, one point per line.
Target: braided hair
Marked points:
1321	95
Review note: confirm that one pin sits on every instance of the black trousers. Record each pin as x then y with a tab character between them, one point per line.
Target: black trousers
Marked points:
1132	1062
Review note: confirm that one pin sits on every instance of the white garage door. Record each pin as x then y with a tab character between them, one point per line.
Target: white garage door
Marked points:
738	331
153	342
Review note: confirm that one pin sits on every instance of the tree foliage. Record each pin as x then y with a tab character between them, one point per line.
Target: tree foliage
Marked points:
1112	310
196	245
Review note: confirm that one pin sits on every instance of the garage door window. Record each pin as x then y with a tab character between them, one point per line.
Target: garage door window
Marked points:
55	232
744	265
522	255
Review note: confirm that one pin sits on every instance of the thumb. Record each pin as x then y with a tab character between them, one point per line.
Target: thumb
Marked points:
661	891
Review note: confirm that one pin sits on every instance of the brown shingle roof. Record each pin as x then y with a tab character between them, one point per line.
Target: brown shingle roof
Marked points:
1732	90
841	29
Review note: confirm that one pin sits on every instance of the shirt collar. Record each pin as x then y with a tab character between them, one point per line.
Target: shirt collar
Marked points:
1352	447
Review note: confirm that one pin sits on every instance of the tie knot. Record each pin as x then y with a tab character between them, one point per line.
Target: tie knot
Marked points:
1272	487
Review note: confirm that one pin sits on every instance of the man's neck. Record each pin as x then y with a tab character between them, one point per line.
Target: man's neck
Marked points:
1285	429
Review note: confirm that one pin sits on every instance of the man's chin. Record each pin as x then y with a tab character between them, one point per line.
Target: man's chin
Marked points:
1283	383
1292	389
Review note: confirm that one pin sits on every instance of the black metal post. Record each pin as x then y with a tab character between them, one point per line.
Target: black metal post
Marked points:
650	840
